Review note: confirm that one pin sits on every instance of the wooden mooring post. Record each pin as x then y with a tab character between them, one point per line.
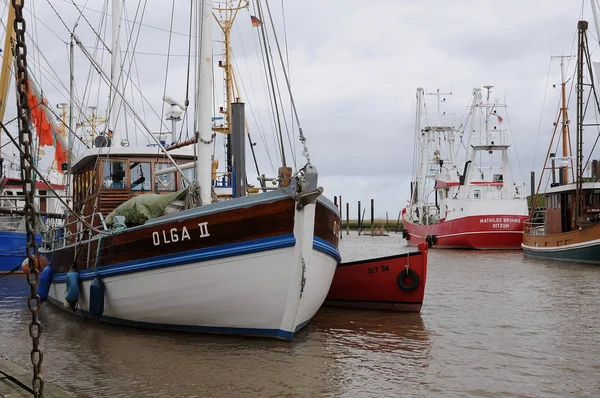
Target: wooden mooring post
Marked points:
372	215
387	228
359	217
347	218
341	217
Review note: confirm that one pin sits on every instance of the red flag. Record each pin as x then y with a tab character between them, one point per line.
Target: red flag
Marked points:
255	21
499	119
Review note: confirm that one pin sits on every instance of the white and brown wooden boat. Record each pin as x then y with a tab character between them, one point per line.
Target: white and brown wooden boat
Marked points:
252	265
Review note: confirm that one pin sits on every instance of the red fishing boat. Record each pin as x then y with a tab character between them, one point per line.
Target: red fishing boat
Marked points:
394	283
482	208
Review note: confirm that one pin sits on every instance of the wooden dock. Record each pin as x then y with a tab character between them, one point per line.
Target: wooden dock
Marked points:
15	382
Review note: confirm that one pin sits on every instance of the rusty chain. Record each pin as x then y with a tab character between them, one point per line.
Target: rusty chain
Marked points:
25	140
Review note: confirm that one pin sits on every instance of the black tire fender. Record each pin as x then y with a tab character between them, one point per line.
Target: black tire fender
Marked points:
412	275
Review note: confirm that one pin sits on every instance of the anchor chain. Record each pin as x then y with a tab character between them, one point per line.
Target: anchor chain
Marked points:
25	140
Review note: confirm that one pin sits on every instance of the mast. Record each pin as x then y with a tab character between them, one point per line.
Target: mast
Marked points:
7	61
566	136
417	194
204	88
115	124
581	47
487	113
229	12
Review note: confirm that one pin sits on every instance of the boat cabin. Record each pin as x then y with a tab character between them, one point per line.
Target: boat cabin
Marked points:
104	178
561	210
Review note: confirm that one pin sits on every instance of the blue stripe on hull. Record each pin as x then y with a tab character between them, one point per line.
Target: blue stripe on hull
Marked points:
327	248
274	333
212	253
192	256
588	255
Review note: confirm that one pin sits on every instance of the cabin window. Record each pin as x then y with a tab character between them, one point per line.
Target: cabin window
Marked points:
498	178
113	175
141	179
164	182
190	174
477	194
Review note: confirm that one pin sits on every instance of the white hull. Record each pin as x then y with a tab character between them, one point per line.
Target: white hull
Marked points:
245	295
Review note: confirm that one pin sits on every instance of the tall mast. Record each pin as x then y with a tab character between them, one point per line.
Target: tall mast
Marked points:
7	61
227	15
417	194
581	48
204	87
115	124
566	136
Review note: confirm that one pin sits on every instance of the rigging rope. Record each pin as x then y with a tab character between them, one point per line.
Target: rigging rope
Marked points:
305	152
162	109
267	53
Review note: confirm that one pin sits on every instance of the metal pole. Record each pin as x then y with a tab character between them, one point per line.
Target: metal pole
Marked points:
238	148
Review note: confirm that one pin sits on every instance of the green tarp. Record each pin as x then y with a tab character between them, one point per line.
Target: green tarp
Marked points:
142	208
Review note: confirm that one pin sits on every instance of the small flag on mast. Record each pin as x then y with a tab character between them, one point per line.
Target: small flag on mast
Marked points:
499	119
255	21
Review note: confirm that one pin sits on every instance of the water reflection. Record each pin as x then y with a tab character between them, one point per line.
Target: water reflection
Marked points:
377	351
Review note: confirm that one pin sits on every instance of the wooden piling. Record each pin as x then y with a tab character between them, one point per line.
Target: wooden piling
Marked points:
347	218
387	228
359	217
341	216
361	221
372	215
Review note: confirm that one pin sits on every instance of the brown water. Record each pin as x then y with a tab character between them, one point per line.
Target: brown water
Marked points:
493	325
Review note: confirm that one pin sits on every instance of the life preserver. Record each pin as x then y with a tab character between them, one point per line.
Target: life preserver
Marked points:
412	275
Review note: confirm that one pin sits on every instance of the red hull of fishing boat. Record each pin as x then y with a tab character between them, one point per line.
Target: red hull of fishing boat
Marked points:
394	283
475	232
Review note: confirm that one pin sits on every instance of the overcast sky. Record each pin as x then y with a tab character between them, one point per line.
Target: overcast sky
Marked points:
354	67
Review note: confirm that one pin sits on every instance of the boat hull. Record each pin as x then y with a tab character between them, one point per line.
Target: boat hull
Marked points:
250	266
13	251
242	295
580	246
374	284
472	232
